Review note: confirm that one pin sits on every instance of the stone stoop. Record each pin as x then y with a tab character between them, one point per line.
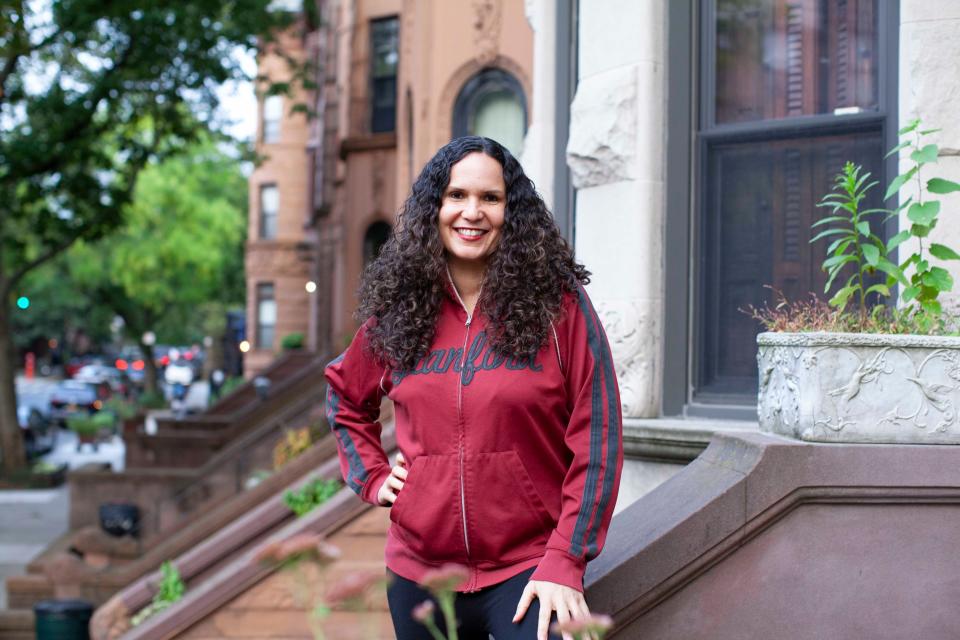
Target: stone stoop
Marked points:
25	591
768	537
17	624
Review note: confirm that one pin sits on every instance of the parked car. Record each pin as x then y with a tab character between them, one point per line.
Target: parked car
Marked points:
39	433
130	361
72	397
100	374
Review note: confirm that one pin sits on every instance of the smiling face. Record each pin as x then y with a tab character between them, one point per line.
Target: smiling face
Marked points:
472	210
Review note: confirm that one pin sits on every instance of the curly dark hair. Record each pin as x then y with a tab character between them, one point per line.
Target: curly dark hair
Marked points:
526	276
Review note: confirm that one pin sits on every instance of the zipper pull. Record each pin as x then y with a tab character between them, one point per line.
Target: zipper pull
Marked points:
469	319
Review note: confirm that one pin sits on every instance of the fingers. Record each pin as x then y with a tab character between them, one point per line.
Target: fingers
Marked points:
395	483
543	622
563	615
400	458
582	611
525	600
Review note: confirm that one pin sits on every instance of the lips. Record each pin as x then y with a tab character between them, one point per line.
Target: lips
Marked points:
468	234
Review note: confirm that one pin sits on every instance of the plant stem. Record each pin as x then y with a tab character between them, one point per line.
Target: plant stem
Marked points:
434	631
446	605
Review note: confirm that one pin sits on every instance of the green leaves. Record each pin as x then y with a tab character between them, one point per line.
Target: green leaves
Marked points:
925	155
923	214
943	252
898	183
941	186
938	278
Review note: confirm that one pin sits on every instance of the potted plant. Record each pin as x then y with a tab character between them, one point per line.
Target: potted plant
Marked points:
90	428
855	369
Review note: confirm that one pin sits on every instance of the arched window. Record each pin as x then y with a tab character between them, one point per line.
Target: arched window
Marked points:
492	104
373	240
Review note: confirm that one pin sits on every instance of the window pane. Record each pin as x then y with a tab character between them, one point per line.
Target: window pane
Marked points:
266	316
272	113
786	58
500	116
384	43
760	203
269	206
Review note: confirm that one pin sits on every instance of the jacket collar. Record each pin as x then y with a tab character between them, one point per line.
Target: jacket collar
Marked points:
452	292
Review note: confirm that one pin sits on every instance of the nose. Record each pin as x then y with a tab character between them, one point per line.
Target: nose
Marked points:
471	209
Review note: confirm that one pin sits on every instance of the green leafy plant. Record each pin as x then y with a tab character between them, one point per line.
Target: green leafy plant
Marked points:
169	591
855	244
230	384
311	495
292	341
121	408
152	400
926	281
90	425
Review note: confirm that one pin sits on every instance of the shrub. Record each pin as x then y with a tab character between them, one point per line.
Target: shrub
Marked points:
170	590
152	400
294	443
311	495
292	341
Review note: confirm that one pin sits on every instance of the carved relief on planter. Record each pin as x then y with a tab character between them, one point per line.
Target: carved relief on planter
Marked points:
633	334
839	387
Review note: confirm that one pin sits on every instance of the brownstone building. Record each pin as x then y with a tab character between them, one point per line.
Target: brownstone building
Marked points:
324	199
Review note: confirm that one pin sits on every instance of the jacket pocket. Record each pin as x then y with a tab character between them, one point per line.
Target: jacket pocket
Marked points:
508	520
426	514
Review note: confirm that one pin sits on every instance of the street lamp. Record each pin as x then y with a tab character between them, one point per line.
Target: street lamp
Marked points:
311	286
149	338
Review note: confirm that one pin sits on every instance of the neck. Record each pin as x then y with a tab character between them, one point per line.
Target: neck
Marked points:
467	278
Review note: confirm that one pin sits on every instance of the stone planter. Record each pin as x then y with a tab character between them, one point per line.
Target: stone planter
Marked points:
851	387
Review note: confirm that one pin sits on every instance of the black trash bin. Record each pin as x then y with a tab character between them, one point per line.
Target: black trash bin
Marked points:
63	619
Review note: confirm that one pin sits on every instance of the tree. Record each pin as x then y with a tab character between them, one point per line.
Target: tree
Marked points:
89	92
180	249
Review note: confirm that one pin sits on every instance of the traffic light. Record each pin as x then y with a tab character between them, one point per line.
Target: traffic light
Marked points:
23	302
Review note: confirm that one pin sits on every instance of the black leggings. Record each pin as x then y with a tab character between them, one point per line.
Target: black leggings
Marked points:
479	614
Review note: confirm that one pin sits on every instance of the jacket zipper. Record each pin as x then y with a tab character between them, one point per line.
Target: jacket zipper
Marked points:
461	435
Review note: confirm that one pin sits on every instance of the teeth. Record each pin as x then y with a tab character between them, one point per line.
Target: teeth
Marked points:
471	232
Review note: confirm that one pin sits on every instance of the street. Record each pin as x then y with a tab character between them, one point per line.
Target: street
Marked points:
31	520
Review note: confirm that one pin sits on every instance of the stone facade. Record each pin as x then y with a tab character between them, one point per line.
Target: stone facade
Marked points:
336	177
283	260
929	57
615	153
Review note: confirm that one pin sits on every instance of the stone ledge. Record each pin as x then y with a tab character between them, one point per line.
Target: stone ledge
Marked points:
858	519
676	440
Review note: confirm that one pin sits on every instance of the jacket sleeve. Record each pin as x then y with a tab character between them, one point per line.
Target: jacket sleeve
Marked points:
594	437
353	399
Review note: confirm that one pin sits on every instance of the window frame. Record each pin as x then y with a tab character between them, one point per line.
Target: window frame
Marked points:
481	84
262	225
692	131
260	299
372	78
264	120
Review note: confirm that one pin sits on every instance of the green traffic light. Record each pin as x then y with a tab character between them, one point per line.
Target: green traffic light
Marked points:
23	302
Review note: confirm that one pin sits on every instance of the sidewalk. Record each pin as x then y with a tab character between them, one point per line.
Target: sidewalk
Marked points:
30	521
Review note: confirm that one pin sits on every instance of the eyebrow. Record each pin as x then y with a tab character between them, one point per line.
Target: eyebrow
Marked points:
453	187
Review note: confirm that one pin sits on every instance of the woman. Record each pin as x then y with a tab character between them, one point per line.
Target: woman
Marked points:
507	409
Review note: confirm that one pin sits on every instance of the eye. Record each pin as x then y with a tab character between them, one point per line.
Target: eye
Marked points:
491	197
455	195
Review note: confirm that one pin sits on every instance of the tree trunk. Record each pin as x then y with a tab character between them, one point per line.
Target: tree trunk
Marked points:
11	440
149	369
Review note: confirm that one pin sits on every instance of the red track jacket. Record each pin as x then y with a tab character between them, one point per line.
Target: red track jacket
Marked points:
511	463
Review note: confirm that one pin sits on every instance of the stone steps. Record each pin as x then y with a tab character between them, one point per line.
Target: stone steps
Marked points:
17	624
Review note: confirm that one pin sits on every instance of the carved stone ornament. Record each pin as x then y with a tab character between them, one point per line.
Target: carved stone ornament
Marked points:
633	334
851	387
486	29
